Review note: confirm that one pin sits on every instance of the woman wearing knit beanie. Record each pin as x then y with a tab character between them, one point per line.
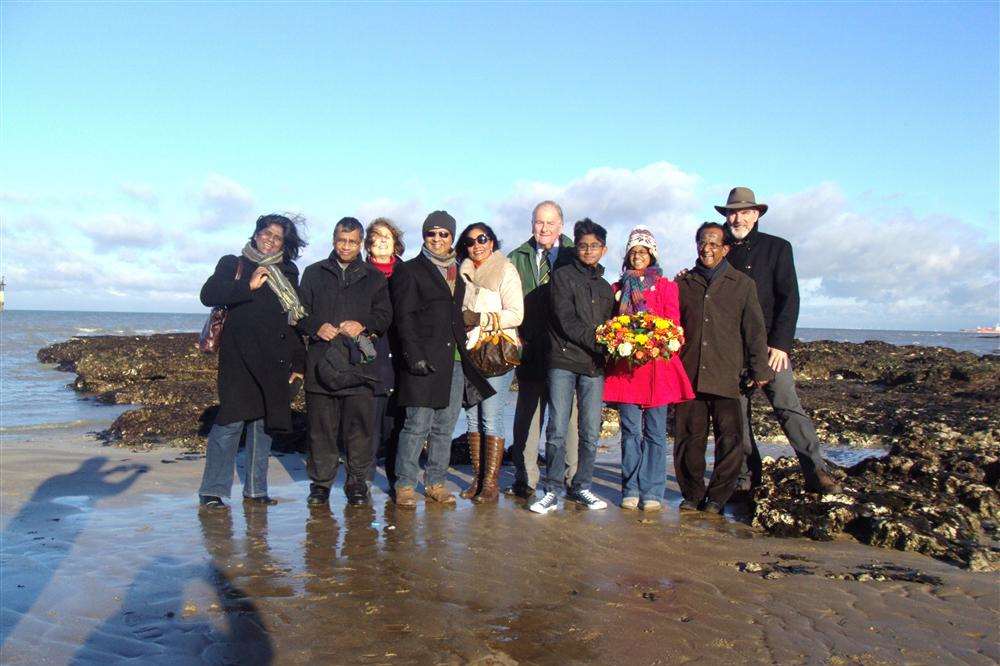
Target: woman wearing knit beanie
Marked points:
641	394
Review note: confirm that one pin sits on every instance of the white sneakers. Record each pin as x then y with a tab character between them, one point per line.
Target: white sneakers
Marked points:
549	502
588	499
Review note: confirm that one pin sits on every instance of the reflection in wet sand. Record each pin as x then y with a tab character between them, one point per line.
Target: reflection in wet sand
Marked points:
160	582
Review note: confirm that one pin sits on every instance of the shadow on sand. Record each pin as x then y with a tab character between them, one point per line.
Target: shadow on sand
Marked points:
56	514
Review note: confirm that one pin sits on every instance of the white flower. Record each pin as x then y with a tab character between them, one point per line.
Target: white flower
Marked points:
673	345
625	349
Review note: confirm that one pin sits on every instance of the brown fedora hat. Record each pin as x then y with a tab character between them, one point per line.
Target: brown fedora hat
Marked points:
741	197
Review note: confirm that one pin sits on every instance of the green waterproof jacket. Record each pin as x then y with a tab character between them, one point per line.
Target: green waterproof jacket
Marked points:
534	328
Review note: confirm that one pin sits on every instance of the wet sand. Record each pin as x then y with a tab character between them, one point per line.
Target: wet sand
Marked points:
106	559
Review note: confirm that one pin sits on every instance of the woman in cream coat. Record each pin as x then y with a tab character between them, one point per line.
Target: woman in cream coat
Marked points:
493	298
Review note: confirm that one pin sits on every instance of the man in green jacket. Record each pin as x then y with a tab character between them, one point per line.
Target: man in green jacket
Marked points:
535	260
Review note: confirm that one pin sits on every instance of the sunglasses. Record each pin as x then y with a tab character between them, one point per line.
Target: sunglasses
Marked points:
441	233
482	239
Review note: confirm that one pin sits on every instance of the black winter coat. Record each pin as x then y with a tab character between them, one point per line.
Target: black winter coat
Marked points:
768	260
331	295
258	349
722	323
581	300
429	327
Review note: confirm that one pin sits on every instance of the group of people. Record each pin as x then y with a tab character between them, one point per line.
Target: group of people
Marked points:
391	351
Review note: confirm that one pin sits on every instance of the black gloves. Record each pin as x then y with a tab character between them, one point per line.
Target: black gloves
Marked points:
422	368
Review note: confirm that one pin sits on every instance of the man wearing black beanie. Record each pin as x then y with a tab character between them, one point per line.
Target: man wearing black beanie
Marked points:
437	376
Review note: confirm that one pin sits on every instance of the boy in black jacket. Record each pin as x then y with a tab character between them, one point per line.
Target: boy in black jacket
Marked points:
581	301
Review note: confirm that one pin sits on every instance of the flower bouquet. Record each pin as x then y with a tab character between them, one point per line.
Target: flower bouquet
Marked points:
640	338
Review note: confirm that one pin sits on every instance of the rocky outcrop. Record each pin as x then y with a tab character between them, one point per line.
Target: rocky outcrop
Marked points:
936	493
937	411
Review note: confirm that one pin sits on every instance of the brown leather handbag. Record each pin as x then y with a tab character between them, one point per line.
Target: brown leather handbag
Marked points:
495	353
211	332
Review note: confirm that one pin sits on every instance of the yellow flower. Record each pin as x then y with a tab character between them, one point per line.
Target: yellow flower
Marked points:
662	324
616	326
624	319
642	338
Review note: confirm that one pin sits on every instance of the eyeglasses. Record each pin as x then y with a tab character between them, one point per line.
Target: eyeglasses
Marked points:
440	233
714	246
589	247
482	239
266	235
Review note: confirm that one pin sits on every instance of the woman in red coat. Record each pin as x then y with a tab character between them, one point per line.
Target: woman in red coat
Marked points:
643	393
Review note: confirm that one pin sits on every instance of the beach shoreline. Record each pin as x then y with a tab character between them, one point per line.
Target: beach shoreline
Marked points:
103	562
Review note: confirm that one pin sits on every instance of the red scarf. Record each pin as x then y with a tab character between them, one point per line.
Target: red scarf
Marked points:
385	268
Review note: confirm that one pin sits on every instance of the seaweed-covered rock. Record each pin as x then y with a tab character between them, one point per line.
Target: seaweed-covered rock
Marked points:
935	493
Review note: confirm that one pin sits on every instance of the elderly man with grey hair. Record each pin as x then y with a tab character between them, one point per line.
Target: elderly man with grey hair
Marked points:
535	260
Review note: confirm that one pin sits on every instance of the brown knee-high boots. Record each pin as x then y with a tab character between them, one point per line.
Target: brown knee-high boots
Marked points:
490	490
475	441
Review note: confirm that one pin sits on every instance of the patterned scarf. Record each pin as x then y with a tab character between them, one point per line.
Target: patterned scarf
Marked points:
446	264
632	284
277	281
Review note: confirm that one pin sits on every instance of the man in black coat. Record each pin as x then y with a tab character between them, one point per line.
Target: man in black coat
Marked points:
768	260
345	297
580	300
437	377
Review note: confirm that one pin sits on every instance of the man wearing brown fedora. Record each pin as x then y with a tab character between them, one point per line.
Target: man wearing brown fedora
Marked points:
768	260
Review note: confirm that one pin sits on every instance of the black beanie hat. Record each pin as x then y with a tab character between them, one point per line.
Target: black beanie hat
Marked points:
441	219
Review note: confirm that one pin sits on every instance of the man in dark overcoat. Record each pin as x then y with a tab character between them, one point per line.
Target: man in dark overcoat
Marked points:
724	332
768	260
437	377
346	298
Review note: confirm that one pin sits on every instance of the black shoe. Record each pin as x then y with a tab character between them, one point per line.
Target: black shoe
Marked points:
357	495
211	502
688	505
263	499
318	495
712	507
523	492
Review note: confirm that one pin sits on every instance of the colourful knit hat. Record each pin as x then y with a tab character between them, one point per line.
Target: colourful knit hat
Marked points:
642	237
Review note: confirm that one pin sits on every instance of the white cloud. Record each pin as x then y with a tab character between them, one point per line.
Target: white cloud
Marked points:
660	196
111	232
223	202
140	192
888	269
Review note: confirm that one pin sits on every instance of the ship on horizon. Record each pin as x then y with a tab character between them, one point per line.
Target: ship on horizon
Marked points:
983	331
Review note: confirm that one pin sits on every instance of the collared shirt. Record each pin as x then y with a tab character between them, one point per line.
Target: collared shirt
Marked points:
553	253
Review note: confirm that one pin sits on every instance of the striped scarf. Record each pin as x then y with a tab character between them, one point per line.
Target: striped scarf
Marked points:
277	281
632	284
446	264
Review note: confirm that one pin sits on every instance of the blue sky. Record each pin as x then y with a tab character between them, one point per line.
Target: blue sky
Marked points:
137	132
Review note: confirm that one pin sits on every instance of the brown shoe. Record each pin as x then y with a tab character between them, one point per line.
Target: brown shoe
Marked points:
475	441
439	494
406	497
825	484
490	491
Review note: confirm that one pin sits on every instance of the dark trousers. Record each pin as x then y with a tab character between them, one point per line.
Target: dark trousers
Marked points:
348	418
691	439
385	435
794	422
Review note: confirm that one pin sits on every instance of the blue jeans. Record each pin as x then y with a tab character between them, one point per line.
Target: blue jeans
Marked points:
589	391
487	416
644	451
434	426
220	459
